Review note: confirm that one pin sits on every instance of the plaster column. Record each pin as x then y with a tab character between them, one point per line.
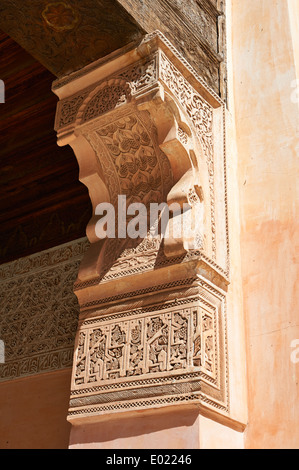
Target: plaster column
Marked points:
264	82
159	347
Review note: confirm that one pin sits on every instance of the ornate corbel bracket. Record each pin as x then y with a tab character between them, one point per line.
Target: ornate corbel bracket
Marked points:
145	126
172	124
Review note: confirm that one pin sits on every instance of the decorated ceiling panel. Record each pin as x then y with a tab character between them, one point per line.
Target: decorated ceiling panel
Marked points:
66	35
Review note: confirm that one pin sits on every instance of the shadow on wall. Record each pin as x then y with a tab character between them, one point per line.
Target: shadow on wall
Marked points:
174	428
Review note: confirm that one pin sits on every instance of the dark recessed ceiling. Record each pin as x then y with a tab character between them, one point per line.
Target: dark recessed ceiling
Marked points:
66	35
42	202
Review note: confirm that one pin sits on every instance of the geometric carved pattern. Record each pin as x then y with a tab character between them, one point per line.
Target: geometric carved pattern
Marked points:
39	312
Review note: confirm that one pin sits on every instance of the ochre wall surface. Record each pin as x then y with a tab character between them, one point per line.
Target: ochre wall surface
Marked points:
33	412
267	125
157	429
173	428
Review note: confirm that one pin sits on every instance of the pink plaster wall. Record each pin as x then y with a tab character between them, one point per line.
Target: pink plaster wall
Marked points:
33	412
155	429
267	124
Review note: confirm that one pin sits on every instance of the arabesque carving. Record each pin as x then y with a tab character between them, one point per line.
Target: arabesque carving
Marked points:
39	318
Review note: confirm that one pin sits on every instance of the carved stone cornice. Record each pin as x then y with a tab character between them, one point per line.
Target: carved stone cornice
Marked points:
143	124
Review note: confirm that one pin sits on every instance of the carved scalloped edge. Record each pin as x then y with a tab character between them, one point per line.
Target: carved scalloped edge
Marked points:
205	137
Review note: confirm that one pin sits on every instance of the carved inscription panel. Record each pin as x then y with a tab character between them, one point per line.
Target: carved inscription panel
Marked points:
162	342
158	354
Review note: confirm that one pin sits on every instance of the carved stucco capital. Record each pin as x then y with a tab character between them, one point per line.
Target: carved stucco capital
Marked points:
143	124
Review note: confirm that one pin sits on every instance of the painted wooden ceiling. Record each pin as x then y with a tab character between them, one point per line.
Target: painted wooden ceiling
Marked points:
66	35
42	202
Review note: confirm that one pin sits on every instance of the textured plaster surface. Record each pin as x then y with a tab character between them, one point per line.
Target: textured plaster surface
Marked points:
267	122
